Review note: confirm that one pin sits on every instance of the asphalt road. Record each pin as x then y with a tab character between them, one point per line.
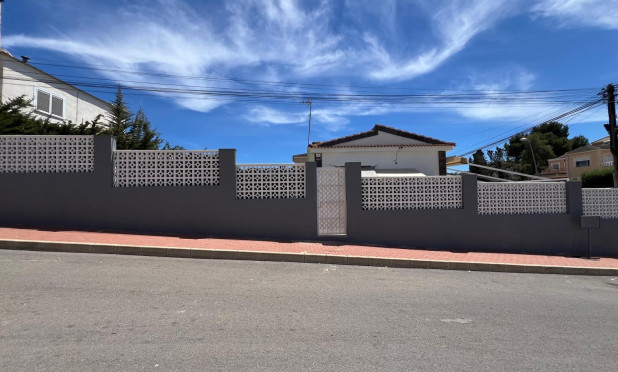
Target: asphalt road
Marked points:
78	312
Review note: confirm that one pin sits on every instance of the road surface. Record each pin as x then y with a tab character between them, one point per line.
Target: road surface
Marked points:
76	312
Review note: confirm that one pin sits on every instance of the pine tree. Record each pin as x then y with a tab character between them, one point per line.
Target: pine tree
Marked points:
119	120
141	135
167	146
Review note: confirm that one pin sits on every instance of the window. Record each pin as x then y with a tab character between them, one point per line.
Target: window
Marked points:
608	161
555	166
49	103
582	163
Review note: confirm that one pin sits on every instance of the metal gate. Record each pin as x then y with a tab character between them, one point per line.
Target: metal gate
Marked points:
331	201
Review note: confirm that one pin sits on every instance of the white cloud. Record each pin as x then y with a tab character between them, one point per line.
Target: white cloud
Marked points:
455	24
286	39
291	40
596	13
489	85
256	38
330	118
264	115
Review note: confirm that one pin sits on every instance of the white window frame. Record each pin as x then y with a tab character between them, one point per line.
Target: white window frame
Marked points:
51	95
555	166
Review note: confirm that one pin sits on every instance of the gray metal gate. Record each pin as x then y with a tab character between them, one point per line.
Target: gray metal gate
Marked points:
331	201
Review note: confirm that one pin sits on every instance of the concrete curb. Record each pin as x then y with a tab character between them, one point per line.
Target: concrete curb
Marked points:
298	257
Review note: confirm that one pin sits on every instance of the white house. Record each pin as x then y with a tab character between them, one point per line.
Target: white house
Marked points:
384	150
51	97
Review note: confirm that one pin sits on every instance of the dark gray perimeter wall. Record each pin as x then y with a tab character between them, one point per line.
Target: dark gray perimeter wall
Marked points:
464	229
88	200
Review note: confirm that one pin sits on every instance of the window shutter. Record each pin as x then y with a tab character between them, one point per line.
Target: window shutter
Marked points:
42	101
57	106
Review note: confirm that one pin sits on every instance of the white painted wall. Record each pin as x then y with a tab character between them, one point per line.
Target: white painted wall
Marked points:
426	161
18	78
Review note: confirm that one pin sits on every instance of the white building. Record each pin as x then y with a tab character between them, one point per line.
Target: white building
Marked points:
384	150
51	97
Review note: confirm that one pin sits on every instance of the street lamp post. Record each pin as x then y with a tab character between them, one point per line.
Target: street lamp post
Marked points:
524	139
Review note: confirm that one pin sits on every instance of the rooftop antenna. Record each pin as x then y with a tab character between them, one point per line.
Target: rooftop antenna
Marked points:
308	103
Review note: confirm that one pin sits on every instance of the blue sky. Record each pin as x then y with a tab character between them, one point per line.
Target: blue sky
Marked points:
339	47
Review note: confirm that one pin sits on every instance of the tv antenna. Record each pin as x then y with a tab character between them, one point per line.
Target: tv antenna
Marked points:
308	103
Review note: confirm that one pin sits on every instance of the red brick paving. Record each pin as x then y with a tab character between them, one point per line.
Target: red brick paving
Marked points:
118	238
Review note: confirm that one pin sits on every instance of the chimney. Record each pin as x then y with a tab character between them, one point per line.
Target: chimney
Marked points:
25	59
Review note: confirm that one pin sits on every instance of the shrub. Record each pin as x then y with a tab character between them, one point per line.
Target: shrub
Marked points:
603	177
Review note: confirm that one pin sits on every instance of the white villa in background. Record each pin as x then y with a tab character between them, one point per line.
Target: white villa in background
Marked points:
382	150
51	97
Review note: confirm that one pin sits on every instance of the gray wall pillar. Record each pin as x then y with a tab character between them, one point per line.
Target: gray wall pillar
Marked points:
227	172
311	182
469	184
574	198
354	196
104	160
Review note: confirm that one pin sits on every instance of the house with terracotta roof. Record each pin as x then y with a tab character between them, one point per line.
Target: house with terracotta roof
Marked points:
382	150
584	159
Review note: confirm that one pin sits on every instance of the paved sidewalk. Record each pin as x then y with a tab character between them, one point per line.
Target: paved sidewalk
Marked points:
316	252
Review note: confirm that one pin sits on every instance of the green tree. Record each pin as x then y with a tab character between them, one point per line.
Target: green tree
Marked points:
16	117
119	119
548	140
132	131
479	158
167	146
578	141
141	135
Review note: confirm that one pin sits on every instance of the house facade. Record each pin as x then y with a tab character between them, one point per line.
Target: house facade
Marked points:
51	97
382	149
574	163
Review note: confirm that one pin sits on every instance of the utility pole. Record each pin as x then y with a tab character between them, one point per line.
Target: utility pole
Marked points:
1	1
1	58
609	95
309	103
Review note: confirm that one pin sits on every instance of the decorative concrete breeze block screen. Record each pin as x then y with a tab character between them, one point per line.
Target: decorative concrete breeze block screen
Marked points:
270	181
521	197
387	193
165	168
46	154
600	202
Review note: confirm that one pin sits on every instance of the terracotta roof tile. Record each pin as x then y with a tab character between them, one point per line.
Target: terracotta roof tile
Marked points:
383	128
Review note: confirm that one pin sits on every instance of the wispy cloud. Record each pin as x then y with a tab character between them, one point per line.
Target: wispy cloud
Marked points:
455	25
291	40
596	13
490	106
283	39
333	118
522	108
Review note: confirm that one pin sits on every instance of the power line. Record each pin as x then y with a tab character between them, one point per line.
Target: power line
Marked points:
321	96
575	111
266	82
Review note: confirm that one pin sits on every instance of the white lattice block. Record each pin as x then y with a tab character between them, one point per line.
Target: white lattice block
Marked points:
390	193
270	181
332	209
600	202
46	154
521	197
135	168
